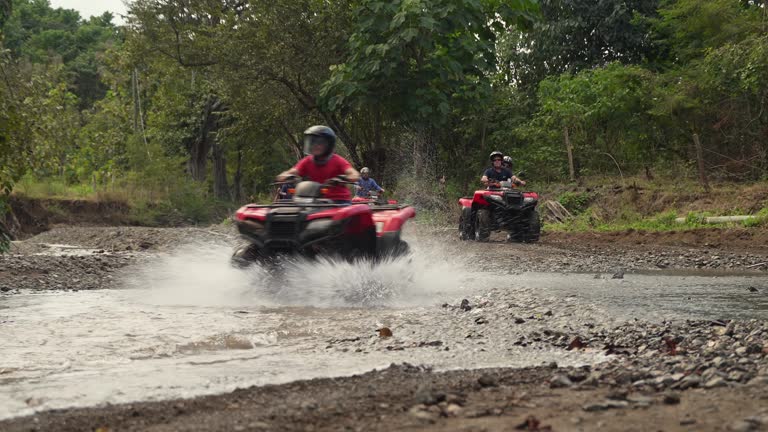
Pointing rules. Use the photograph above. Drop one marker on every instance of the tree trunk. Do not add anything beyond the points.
(569, 148)
(700, 159)
(220, 185)
(200, 146)
(238, 180)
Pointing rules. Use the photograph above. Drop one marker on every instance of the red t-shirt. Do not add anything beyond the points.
(335, 166)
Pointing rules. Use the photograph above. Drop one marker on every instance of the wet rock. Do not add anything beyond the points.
(487, 381)
(465, 305)
(420, 412)
(671, 398)
(426, 396)
(605, 405)
(560, 381)
(617, 395)
(640, 400)
(452, 410)
(715, 382)
(519, 321)
(752, 289)
(618, 275)
(688, 382)
(743, 426)
(481, 320)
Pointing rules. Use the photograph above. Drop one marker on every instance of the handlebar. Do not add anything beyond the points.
(342, 179)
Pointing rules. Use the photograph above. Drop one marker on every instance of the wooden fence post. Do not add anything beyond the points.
(569, 148)
(700, 159)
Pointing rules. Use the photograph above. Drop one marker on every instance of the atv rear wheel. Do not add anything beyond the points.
(466, 225)
(483, 225)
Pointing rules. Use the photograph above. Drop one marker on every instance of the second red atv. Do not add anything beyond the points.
(309, 225)
(500, 207)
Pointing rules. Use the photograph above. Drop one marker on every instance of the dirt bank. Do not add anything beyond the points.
(738, 240)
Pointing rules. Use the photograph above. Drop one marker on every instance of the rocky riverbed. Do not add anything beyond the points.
(614, 349)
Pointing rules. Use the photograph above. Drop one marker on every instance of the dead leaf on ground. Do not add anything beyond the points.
(385, 332)
(533, 424)
(576, 343)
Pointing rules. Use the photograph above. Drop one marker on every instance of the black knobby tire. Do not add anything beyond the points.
(244, 255)
(466, 224)
(534, 227)
(483, 225)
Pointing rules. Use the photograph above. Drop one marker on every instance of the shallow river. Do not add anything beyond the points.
(188, 324)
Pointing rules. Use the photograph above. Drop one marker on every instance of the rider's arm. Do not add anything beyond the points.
(286, 174)
(352, 174)
(377, 187)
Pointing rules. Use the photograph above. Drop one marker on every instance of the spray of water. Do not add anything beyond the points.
(200, 274)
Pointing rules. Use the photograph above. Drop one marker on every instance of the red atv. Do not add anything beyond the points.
(309, 225)
(500, 207)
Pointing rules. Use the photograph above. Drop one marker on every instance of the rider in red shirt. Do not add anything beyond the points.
(322, 164)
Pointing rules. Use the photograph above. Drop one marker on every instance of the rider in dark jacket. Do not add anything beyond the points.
(496, 173)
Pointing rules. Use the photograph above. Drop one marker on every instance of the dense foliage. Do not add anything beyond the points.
(205, 100)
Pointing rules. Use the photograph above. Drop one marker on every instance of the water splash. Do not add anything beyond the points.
(200, 274)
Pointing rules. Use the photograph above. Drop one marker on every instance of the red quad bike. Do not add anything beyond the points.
(310, 225)
(500, 207)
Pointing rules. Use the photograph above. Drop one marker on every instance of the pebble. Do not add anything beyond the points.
(605, 405)
(487, 381)
(560, 381)
(671, 398)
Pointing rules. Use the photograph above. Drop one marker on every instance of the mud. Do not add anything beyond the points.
(632, 355)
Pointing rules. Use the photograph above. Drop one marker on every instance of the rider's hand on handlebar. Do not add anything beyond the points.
(288, 178)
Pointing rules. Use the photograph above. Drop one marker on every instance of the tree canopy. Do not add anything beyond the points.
(209, 97)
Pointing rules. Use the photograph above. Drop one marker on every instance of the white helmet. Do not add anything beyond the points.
(365, 170)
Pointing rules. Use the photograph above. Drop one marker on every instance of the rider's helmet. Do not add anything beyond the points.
(496, 154)
(319, 135)
(365, 172)
(507, 161)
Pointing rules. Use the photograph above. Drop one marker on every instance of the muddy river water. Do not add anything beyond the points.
(186, 323)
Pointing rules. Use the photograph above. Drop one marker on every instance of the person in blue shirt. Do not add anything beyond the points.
(284, 193)
(366, 184)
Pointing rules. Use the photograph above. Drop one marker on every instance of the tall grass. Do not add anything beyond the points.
(152, 203)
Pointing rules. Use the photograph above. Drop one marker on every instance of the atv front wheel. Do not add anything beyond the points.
(483, 225)
(245, 255)
(466, 227)
(534, 228)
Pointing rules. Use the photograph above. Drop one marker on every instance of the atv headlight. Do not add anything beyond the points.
(379, 227)
(496, 198)
(319, 225)
(528, 200)
(250, 226)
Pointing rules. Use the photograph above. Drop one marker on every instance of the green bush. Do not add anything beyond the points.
(574, 202)
(760, 219)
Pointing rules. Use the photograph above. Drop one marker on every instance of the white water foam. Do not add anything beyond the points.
(200, 274)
